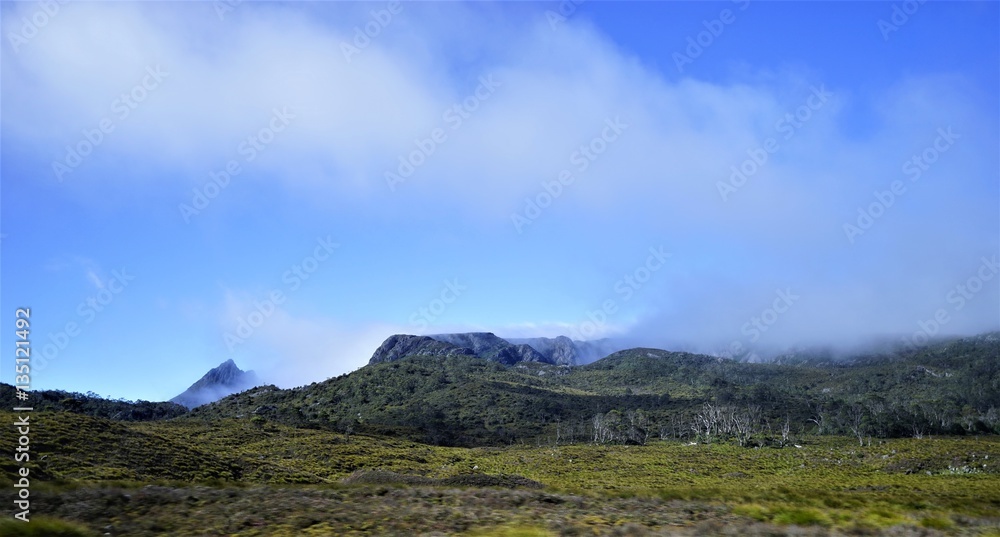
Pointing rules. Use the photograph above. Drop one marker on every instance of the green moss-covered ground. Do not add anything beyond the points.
(242, 477)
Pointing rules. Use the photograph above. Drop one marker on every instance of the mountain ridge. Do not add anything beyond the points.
(225, 379)
(560, 350)
(459, 398)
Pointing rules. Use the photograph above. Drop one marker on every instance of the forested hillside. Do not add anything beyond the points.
(948, 388)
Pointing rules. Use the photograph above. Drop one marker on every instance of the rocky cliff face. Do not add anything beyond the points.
(217, 383)
(482, 344)
(489, 346)
(402, 345)
(558, 351)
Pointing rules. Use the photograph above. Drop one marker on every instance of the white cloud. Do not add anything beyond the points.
(353, 119)
(291, 349)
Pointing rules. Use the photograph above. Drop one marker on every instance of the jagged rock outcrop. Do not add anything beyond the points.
(487, 345)
(560, 350)
(482, 344)
(557, 351)
(403, 345)
(226, 379)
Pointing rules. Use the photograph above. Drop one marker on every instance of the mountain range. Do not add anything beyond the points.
(556, 351)
(472, 390)
(227, 378)
(437, 392)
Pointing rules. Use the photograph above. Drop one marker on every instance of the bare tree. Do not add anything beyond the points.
(820, 417)
(745, 423)
(709, 421)
(785, 432)
(856, 422)
(600, 429)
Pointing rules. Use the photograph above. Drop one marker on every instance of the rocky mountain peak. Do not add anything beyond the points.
(225, 379)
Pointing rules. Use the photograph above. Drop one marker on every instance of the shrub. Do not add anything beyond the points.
(801, 517)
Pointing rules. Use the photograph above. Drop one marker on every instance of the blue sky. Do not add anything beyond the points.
(569, 174)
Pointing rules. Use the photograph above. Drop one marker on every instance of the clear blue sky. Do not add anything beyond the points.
(317, 116)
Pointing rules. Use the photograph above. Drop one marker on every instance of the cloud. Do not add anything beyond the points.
(779, 224)
(292, 349)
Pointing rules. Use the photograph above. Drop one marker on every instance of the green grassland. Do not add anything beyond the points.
(240, 477)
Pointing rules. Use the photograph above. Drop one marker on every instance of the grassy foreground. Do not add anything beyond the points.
(233, 477)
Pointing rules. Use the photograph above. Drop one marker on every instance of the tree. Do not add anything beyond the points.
(785, 432)
(819, 416)
(855, 417)
(638, 426)
(746, 424)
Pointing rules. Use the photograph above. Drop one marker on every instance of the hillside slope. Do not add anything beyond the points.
(952, 387)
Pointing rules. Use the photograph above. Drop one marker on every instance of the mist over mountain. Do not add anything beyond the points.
(441, 393)
(562, 350)
(401, 345)
(226, 379)
(484, 345)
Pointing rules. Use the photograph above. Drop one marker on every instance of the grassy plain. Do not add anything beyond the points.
(234, 477)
